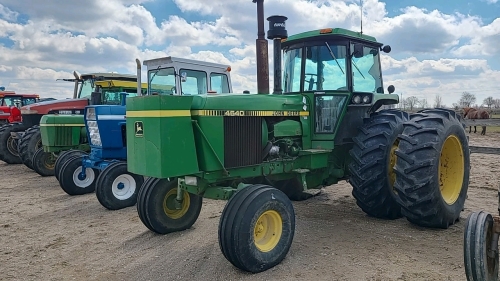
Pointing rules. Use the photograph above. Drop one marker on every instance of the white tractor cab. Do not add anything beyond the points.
(177, 76)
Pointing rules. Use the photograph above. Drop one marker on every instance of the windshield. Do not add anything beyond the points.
(112, 96)
(325, 68)
(162, 81)
(366, 70)
(86, 89)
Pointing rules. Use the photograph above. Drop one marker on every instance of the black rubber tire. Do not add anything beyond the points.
(150, 207)
(63, 156)
(141, 195)
(29, 143)
(43, 164)
(66, 177)
(8, 145)
(418, 166)
(478, 236)
(371, 162)
(104, 186)
(239, 219)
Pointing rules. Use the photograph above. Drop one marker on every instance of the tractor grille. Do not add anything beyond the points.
(242, 141)
(63, 136)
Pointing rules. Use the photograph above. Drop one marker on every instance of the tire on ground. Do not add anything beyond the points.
(116, 187)
(432, 168)
(29, 143)
(373, 158)
(70, 181)
(256, 228)
(156, 207)
(43, 163)
(63, 157)
(8, 145)
(480, 259)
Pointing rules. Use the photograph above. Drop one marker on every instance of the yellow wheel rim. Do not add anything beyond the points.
(392, 163)
(267, 231)
(451, 169)
(169, 204)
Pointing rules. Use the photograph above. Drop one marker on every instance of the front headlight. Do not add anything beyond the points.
(91, 114)
(356, 99)
(95, 137)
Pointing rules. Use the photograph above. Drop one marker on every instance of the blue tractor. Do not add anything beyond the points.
(104, 169)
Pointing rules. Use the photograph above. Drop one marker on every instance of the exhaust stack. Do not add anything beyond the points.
(139, 83)
(261, 52)
(277, 32)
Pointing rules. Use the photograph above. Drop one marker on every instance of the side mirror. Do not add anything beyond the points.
(391, 89)
(183, 76)
(386, 49)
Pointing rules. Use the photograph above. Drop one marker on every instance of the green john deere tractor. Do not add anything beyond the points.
(258, 151)
(60, 133)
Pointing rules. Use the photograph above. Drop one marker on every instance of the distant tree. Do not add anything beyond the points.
(497, 103)
(438, 101)
(467, 99)
(411, 102)
(423, 103)
(489, 102)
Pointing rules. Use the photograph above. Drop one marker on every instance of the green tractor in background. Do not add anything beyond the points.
(60, 133)
(260, 150)
(27, 132)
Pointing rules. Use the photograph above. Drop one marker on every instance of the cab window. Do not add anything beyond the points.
(219, 83)
(195, 83)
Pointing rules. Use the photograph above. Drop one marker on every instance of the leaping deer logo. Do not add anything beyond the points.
(139, 131)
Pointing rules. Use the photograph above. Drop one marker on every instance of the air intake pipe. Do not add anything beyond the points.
(139, 83)
(277, 32)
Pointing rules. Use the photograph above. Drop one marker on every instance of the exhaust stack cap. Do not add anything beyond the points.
(277, 27)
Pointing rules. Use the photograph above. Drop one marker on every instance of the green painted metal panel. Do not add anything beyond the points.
(160, 137)
(323, 144)
(335, 32)
(248, 102)
(287, 128)
(61, 130)
(210, 150)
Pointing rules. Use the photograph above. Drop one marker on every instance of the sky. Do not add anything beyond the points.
(438, 47)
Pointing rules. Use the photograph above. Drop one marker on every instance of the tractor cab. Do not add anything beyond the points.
(178, 76)
(339, 72)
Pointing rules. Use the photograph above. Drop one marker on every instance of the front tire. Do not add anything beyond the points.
(480, 255)
(63, 157)
(116, 187)
(432, 168)
(256, 228)
(71, 180)
(43, 163)
(373, 159)
(157, 211)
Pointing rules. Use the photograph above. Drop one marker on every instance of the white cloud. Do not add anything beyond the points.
(436, 52)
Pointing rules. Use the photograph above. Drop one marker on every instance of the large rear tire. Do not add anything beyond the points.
(29, 143)
(373, 158)
(116, 187)
(432, 168)
(256, 228)
(480, 248)
(8, 144)
(156, 207)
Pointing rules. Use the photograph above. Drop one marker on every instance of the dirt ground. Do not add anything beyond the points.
(48, 235)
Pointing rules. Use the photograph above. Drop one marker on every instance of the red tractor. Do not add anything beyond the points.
(20, 140)
(11, 102)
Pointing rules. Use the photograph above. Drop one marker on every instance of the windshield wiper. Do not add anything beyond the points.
(333, 56)
(154, 74)
(353, 63)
